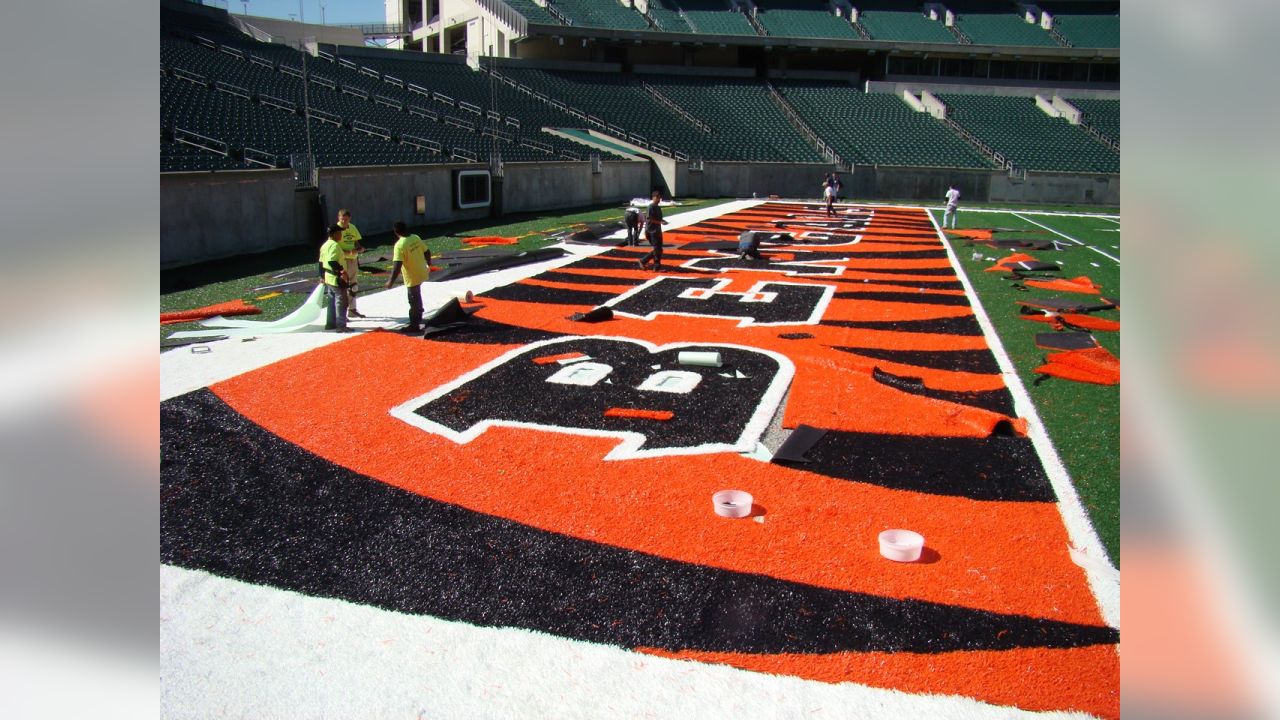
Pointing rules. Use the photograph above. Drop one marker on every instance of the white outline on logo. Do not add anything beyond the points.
(755, 294)
(632, 445)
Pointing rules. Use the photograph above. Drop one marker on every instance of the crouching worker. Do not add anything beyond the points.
(334, 276)
(634, 222)
(749, 245)
(412, 256)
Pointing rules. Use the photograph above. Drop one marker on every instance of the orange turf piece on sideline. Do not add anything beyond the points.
(972, 233)
(490, 240)
(1095, 365)
(1088, 322)
(1080, 284)
(234, 307)
(1003, 265)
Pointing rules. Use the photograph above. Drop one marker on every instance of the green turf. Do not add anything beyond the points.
(222, 280)
(1083, 420)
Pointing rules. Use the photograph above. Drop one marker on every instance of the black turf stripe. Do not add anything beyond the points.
(240, 502)
(903, 255)
(964, 325)
(1004, 468)
(1000, 401)
(907, 271)
(974, 361)
(917, 298)
(522, 292)
(583, 279)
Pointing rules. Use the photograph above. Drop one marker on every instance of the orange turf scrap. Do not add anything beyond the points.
(490, 240)
(1080, 284)
(973, 233)
(1006, 264)
(1095, 365)
(1061, 321)
(234, 307)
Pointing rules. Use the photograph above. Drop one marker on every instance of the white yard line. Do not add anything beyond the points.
(1103, 578)
(1062, 234)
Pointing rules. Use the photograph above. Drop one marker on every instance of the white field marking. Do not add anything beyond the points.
(1108, 218)
(1104, 216)
(1062, 234)
(181, 371)
(1106, 589)
(232, 648)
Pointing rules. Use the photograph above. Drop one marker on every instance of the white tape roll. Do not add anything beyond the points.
(732, 503)
(901, 545)
(707, 359)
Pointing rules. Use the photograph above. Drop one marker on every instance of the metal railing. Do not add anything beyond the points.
(819, 144)
(260, 157)
(560, 17)
(420, 142)
(204, 142)
(463, 154)
(675, 107)
(1098, 135)
(183, 74)
(273, 101)
(424, 112)
(999, 159)
(958, 34)
(860, 29)
(353, 90)
(1059, 38)
(230, 89)
(371, 129)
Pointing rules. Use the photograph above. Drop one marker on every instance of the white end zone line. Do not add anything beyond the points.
(1103, 578)
(1061, 234)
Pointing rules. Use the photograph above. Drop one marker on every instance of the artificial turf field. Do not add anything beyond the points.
(451, 503)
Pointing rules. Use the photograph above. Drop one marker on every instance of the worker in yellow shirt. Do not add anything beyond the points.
(335, 280)
(351, 250)
(412, 256)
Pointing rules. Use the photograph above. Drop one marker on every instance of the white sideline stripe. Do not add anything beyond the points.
(1106, 588)
(1062, 234)
(181, 371)
(232, 648)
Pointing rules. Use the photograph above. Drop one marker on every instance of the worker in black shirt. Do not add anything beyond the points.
(653, 232)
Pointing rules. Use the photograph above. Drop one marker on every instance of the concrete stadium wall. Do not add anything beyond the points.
(741, 179)
(380, 195)
(548, 186)
(207, 216)
(1046, 187)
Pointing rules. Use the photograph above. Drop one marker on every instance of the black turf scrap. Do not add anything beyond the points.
(999, 401)
(974, 361)
(239, 502)
(1065, 341)
(480, 331)
(1004, 468)
(1066, 304)
(1034, 266)
(796, 336)
(798, 443)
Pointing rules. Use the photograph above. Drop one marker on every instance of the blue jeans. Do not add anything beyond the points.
(335, 299)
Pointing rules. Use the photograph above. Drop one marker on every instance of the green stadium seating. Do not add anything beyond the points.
(1018, 129)
(666, 13)
(601, 13)
(888, 20)
(803, 19)
(877, 129)
(1103, 115)
(1089, 31)
(713, 17)
(998, 23)
(533, 12)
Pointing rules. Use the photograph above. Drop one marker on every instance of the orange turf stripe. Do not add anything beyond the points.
(820, 531)
(640, 414)
(233, 307)
(1084, 679)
